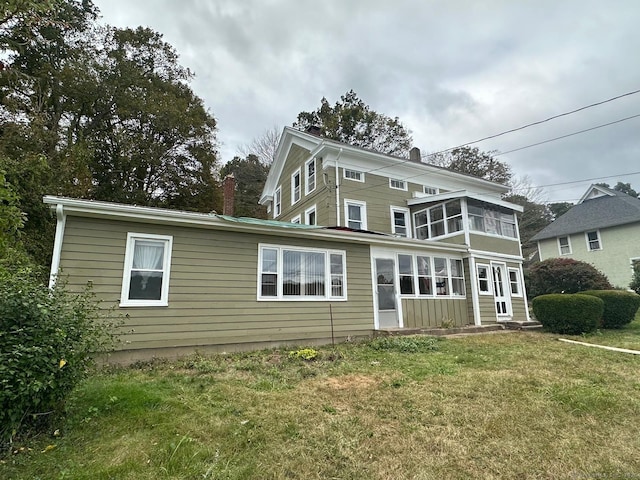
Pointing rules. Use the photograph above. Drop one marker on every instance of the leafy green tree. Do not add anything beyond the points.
(621, 187)
(250, 174)
(534, 218)
(352, 121)
(559, 208)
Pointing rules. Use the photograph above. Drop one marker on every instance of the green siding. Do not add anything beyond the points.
(213, 287)
(432, 312)
(487, 243)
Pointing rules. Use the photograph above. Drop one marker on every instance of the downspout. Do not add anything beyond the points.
(338, 190)
(57, 244)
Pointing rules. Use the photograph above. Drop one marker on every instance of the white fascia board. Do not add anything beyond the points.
(602, 190)
(464, 194)
(133, 213)
(287, 139)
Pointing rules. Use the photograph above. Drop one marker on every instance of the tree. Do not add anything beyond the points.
(352, 121)
(264, 146)
(534, 218)
(250, 174)
(564, 275)
(475, 162)
(559, 208)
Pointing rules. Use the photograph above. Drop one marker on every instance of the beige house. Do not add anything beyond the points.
(358, 242)
(602, 229)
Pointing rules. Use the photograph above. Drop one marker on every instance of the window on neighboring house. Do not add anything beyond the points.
(418, 276)
(514, 282)
(427, 190)
(295, 187)
(355, 214)
(353, 175)
(593, 241)
(400, 222)
(491, 219)
(277, 202)
(310, 175)
(310, 216)
(397, 184)
(291, 273)
(439, 220)
(564, 245)
(296, 219)
(484, 283)
(147, 262)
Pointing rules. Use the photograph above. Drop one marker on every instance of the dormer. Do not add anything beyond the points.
(597, 191)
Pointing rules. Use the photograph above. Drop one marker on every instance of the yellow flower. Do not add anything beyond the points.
(63, 362)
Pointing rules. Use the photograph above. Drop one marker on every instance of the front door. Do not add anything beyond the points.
(501, 291)
(386, 303)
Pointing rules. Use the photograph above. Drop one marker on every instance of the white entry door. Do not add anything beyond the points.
(386, 303)
(501, 291)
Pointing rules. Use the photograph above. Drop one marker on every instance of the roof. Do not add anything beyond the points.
(609, 208)
(464, 194)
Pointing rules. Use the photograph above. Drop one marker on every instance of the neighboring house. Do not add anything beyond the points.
(602, 229)
(445, 251)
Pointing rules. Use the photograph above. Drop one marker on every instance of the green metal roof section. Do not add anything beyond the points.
(268, 223)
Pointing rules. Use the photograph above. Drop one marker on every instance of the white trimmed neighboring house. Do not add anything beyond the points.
(602, 229)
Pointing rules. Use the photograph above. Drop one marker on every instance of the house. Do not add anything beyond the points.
(358, 242)
(601, 229)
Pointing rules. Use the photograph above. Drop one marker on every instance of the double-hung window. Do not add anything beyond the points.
(484, 282)
(292, 273)
(400, 222)
(593, 241)
(564, 245)
(514, 282)
(353, 175)
(147, 262)
(277, 202)
(310, 216)
(355, 214)
(295, 187)
(310, 175)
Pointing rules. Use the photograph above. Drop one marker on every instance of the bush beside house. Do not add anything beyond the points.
(620, 307)
(564, 275)
(570, 314)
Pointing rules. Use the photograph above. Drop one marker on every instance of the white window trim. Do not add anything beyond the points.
(488, 279)
(128, 264)
(424, 188)
(344, 175)
(432, 275)
(445, 221)
(358, 203)
(306, 215)
(404, 182)
(289, 298)
(407, 218)
(307, 190)
(277, 206)
(568, 244)
(296, 219)
(518, 280)
(295, 200)
(586, 237)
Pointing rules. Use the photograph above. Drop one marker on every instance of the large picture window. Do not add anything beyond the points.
(491, 219)
(420, 274)
(290, 273)
(439, 220)
(145, 282)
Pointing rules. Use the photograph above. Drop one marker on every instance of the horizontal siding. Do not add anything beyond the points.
(213, 287)
(431, 312)
(489, 243)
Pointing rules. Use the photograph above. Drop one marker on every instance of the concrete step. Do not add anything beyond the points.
(467, 329)
(522, 325)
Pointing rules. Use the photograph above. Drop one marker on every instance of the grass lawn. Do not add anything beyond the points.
(514, 405)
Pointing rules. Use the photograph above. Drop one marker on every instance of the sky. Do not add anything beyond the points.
(452, 71)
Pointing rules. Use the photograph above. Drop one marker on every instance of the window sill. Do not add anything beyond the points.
(142, 303)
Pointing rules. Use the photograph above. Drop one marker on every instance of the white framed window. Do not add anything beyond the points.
(428, 276)
(400, 223)
(439, 220)
(355, 214)
(147, 265)
(292, 273)
(310, 176)
(295, 187)
(564, 245)
(484, 281)
(593, 240)
(277, 202)
(310, 216)
(514, 282)
(397, 184)
(428, 190)
(491, 219)
(296, 219)
(354, 175)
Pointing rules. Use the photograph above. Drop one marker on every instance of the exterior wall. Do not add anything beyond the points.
(619, 245)
(432, 312)
(493, 243)
(213, 290)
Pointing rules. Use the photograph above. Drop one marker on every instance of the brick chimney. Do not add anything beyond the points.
(414, 155)
(228, 192)
(314, 130)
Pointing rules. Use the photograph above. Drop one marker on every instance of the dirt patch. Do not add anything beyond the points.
(349, 382)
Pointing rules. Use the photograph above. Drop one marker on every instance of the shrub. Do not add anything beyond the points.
(620, 307)
(570, 314)
(635, 280)
(405, 344)
(47, 342)
(304, 353)
(564, 275)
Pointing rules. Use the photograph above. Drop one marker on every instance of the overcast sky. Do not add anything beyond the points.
(453, 71)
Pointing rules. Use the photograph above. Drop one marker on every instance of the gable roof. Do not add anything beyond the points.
(317, 145)
(600, 207)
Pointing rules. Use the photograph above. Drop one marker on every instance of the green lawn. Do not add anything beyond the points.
(514, 405)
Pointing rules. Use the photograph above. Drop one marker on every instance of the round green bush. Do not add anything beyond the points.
(564, 275)
(570, 314)
(620, 307)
